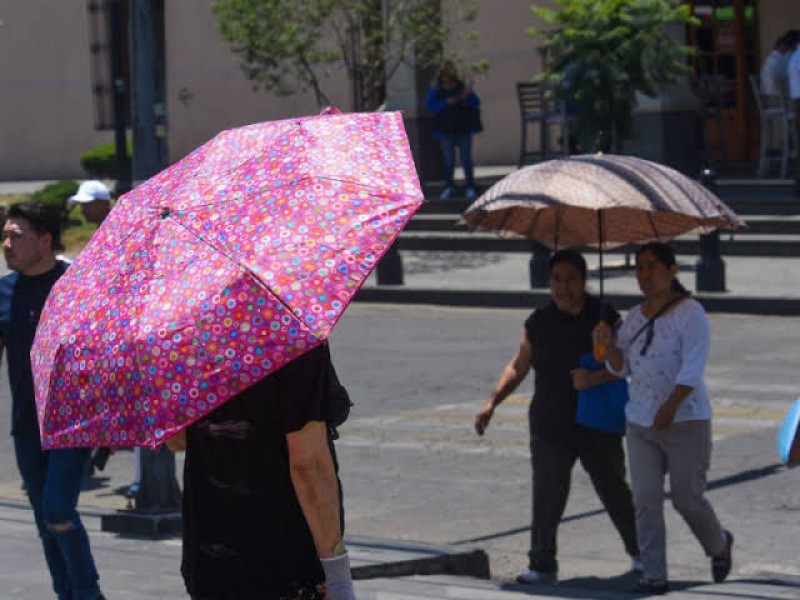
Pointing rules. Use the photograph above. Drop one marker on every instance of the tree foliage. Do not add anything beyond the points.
(604, 52)
(287, 46)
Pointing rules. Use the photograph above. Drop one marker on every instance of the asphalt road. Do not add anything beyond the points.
(413, 469)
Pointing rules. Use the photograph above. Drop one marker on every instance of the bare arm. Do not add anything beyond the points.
(583, 379)
(314, 479)
(177, 443)
(513, 374)
(666, 412)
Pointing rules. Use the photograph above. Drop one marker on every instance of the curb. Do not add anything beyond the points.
(434, 560)
(771, 247)
(374, 558)
(713, 303)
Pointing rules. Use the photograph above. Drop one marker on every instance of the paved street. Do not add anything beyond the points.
(414, 470)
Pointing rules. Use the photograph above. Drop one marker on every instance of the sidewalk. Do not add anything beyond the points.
(137, 569)
(756, 285)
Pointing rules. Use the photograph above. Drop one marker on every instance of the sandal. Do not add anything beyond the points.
(721, 565)
(651, 587)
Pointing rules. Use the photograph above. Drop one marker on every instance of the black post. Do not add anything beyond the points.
(538, 266)
(406, 90)
(117, 37)
(710, 269)
(390, 269)
(157, 510)
(148, 80)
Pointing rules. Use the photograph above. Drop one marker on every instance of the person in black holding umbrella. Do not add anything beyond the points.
(553, 340)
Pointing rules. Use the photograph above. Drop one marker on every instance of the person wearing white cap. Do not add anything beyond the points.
(95, 200)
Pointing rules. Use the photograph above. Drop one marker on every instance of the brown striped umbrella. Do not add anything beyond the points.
(599, 200)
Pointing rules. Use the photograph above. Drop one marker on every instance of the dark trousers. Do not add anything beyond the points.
(449, 143)
(53, 483)
(603, 458)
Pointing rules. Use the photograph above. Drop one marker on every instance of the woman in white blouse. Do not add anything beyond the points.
(662, 345)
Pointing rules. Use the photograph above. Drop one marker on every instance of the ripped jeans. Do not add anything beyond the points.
(53, 482)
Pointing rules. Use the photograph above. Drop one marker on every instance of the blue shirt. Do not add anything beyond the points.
(21, 301)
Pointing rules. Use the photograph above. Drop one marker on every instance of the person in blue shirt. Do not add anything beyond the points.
(456, 118)
(31, 239)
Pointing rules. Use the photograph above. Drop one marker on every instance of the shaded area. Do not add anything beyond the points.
(737, 478)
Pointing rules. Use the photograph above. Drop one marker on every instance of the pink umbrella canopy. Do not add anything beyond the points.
(216, 272)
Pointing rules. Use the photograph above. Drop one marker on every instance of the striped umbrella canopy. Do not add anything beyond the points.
(599, 200)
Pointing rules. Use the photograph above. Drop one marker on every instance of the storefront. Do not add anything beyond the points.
(727, 52)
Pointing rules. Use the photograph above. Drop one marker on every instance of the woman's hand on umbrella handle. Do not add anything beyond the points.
(603, 334)
(482, 418)
(177, 443)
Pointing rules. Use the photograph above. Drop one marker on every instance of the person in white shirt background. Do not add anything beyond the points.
(775, 68)
(662, 346)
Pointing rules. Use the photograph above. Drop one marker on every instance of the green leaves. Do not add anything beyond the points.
(291, 45)
(603, 52)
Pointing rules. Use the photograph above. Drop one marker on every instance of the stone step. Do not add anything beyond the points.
(756, 224)
(764, 198)
(462, 241)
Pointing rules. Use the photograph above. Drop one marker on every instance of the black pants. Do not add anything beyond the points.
(603, 458)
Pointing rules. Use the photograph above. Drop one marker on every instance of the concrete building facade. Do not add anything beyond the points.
(46, 102)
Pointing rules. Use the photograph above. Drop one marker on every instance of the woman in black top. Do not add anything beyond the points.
(246, 533)
(552, 342)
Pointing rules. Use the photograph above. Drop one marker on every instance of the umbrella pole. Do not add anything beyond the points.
(600, 248)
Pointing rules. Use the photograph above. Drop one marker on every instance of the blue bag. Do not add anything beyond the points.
(602, 407)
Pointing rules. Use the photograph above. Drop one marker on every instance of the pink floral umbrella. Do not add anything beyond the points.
(216, 272)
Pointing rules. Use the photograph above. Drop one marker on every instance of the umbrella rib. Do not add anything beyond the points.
(379, 189)
(653, 226)
(246, 269)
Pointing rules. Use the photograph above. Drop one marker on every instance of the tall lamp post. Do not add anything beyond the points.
(157, 504)
(117, 37)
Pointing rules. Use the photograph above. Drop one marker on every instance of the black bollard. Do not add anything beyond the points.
(390, 269)
(538, 266)
(710, 269)
(157, 510)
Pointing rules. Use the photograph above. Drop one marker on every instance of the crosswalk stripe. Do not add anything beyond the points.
(450, 426)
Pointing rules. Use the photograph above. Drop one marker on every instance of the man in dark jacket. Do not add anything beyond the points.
(31, 238)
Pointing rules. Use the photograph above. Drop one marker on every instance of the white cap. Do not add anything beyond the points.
(89, 191)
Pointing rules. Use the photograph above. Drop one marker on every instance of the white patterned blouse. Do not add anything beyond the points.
(674, 353)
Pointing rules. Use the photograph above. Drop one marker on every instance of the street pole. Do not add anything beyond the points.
(157, 504)
(406, 90)
(116, 32)
(710, 269)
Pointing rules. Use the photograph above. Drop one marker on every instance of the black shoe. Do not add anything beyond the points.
(650, 587)
(721, 565)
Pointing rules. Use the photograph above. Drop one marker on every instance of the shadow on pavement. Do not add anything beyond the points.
(742, 477)
(595, 588)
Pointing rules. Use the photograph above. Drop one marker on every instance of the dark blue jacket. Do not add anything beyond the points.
(463, 117)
